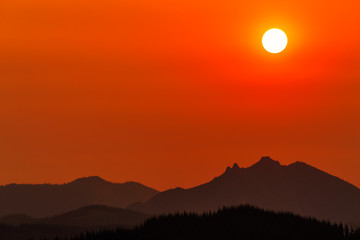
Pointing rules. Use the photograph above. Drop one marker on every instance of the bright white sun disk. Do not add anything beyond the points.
(274, 40)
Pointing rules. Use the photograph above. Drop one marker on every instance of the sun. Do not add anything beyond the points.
(274, 40)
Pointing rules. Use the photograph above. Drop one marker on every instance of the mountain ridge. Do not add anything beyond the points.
(297, 187)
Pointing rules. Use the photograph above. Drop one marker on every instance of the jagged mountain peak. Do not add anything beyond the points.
(235, 167)
(266, 162)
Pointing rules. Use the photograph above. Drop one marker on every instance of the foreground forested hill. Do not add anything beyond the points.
(243, 222)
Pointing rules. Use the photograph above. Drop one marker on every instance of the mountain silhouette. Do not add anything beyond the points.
(44, 200)
(89, 216)
(297, 188)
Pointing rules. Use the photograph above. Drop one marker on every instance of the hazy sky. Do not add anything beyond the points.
(170, 92)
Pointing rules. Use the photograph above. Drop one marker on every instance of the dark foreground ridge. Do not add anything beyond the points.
(243, 222)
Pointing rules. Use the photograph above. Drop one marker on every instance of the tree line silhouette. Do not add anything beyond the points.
(241, 222)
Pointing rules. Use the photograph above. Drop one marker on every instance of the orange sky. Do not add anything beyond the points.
(170, 92)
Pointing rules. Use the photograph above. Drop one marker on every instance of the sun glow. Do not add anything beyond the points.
(274, 40)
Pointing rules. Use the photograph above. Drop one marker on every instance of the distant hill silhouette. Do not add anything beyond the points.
(97, 216)
(44, 200)
(40, 232)
(17, 219)
(297, 188)
(241, 222)
(89, 216)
